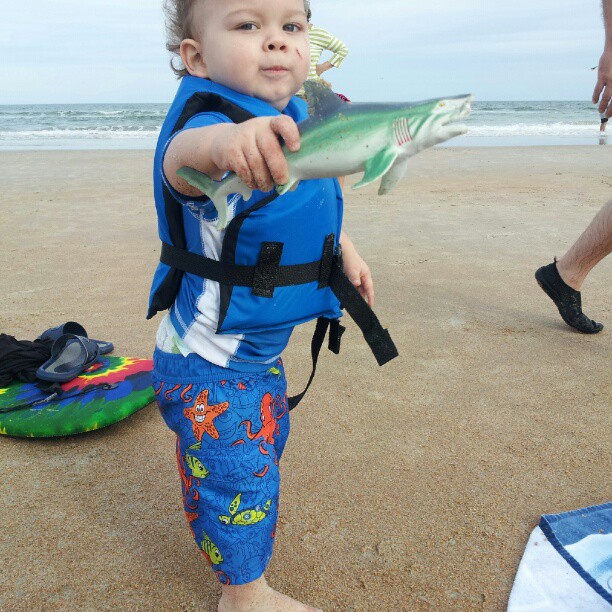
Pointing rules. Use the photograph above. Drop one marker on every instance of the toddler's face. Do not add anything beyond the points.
(257, 47)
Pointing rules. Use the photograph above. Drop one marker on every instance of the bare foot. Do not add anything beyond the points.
(258, 596)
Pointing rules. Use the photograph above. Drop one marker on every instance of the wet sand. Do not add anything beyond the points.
(409, 487)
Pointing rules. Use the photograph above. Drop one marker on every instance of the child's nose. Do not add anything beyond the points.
(277, 42)
(276, 45)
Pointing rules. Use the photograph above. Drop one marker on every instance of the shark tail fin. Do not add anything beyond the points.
(322, 101)
(199, 180)
(207, 186)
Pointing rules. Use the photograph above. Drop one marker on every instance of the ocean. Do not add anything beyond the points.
(135, 126)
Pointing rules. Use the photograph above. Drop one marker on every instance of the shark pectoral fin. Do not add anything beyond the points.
(395, 173)
(221, 206)
(220, 201)
(377, 166)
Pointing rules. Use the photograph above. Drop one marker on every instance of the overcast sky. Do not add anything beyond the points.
(62, 51)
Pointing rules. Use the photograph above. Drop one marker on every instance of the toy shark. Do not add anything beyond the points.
(341, 138)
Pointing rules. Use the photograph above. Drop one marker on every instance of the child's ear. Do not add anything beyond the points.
(192, 58)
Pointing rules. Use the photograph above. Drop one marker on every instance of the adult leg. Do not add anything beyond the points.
(590, 248)
(563, 279)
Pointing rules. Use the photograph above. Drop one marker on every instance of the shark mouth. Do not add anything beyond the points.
(459, 108)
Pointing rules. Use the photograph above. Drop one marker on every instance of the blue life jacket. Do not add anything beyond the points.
(295, 228)
(280, 262)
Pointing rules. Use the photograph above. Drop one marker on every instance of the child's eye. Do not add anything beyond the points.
(292, 27)
(247, 26)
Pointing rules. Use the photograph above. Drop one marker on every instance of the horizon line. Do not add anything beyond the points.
(358, 102)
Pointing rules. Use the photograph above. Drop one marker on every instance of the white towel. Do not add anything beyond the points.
(567, 565)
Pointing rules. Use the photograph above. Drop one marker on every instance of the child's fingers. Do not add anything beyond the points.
(367, 289)
(272, 156)
(287, 129)
(238, 163)
(364, 284)
(258, 166)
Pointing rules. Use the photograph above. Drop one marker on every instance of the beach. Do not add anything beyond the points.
(413, 486)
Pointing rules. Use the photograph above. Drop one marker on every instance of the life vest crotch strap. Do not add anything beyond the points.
(268, 274)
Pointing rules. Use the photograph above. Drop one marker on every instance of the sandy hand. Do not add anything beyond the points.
(254, 152)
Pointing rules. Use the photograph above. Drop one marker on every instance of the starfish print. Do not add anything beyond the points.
(202, 415)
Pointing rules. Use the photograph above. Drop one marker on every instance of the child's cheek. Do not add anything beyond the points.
(301, 59)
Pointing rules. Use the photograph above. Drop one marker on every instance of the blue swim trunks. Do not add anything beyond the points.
(231, 429)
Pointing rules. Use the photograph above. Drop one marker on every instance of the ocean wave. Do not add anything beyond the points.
(120, 132)
(138, 125)
(67, 115)
(78, 134)
(535, 129)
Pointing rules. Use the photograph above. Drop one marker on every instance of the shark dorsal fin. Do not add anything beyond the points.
(322, 101)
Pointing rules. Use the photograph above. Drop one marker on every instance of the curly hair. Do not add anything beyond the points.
(179, 26)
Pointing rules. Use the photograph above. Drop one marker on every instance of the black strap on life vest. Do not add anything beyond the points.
(262, 277)
(268, 274)
(335, 334)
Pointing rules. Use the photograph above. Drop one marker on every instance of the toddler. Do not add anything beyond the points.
(218, 375)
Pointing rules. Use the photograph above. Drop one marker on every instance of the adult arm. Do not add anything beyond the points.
(328, 42)
(603, 88)
(324, 67)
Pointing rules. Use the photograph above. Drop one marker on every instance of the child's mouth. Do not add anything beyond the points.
(275, 69)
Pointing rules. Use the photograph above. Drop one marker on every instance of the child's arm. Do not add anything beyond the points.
(251, 149)
(357, 270)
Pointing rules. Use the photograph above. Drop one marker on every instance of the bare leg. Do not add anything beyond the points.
(258, 596)
(341, 181)
(592, 246)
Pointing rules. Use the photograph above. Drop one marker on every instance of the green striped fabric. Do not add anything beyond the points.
(321, 40)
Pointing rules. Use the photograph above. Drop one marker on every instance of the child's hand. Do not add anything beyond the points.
(252, 150)
(357, 270)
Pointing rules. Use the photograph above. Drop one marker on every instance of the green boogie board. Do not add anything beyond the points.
(112, 389)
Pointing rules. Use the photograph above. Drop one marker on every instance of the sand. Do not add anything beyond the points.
(409, 487)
